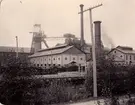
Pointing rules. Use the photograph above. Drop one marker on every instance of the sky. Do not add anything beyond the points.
(58, 17)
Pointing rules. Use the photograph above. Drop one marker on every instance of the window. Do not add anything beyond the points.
(126, 57)
(41, 64)
(53, 64)
(49, 64)
(58, 64)
(121, 56)
(53, 58)
(90, 49)
(38, 65)
(81, 58)
(83, 68)
(73, 58)
(45, 59)
(130, 57)
(114, 51)
(45, 64)
(58, 58)
(65, 58)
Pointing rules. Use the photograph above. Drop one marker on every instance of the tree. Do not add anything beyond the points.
(12, 84)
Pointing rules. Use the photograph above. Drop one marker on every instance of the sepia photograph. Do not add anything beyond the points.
(67, 52)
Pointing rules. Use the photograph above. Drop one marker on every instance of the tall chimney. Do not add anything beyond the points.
(82, 26)
(98, 42)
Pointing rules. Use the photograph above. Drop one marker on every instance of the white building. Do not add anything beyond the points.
(59, 56)
(122, 55)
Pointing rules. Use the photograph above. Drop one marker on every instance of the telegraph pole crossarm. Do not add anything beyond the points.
(91, 8)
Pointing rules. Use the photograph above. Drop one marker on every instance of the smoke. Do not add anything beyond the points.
(119, 20)
(107, 40)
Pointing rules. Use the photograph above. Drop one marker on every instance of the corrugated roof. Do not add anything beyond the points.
(52, 48)
(13, 49)
(51, 51)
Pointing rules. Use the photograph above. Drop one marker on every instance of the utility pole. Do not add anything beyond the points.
(16, 46)
(93, 49)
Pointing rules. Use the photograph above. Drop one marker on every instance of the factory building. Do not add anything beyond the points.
(122, 55)
(7, 53)
(60, 56)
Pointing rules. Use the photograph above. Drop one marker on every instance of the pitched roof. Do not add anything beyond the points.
(52, 48)
(124, 49)
(127, 51)
(13, 49)
(52, 51)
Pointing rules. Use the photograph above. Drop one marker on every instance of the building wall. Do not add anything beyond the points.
(118, 56)
(122, 58)
(60, 60)
(78, 58)
(67, 58)
(130, 58)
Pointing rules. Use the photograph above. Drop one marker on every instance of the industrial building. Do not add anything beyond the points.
(7, 53)
(72, 51)
(122, 55)
(60, 56)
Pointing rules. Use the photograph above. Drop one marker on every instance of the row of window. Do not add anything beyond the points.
(59, 59)
(130, 57)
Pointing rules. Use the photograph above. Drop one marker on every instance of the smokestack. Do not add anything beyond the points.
(82, 26)
(98, 42)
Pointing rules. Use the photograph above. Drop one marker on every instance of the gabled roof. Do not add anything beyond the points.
(125, 50)
(13, 49)
(52, 51)
(53, 48)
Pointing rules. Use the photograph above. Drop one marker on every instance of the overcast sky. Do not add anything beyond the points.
(61, 16)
